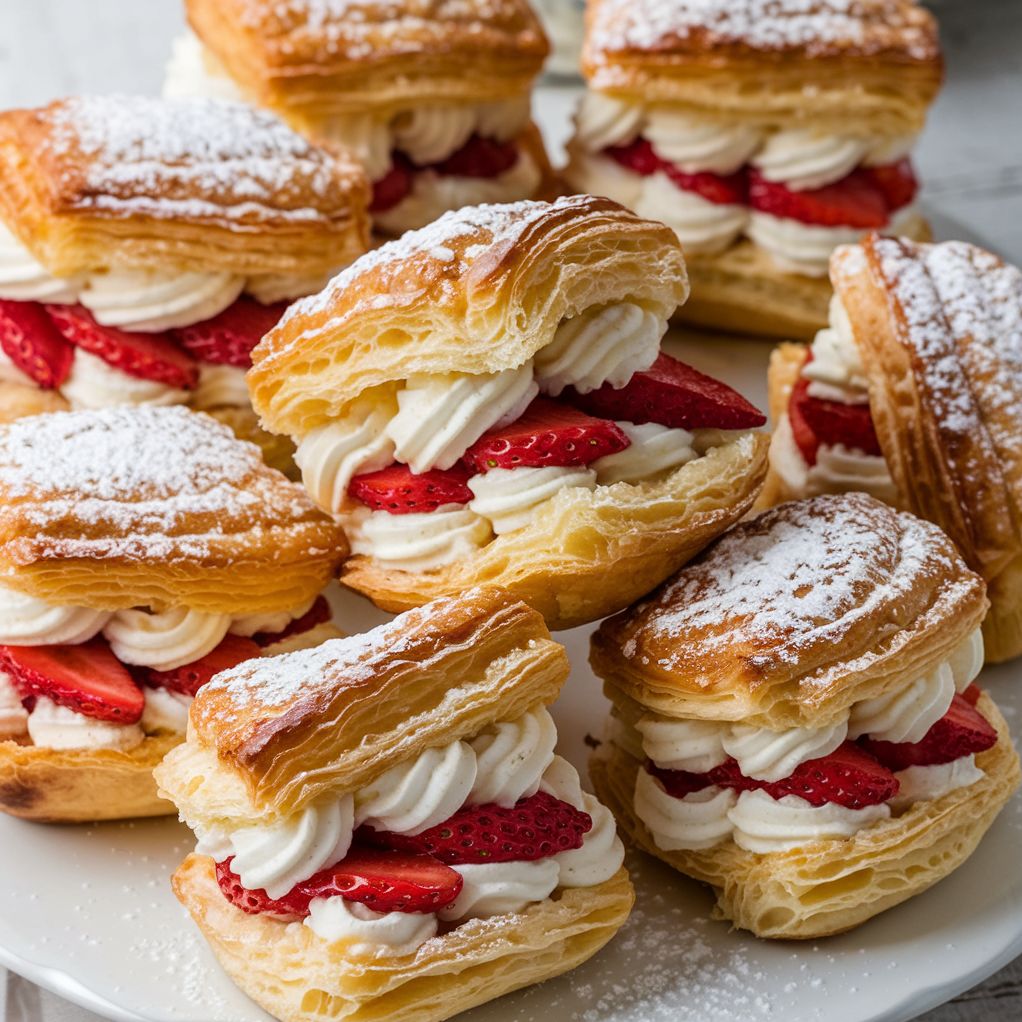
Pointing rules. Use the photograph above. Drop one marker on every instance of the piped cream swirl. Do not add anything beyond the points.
(804, 159)
(508, 497)
(653, 449)
(603, 121)
(164, 639)
(773, 755)
(51, 726)
(695, 144)
(699, 820)
(26, 620)
(92, 383)
(24, 279)
(905, 715)
(496, 888)
(512, 757)
(417, 542)
(701, 226)
(367, 933)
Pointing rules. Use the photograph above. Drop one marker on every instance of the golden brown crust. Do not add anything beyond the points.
(938, 327)
(479, 291)
(278, 451)
(20, 399)
(830, 886)
(588, 553)
(875, 67)
(297, 727)
(300, 59)
(92, 183)
(155, 506)
(794, 615)
(297, 976)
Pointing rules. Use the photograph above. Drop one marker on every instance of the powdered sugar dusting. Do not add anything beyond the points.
(812, 27)
(192, 158)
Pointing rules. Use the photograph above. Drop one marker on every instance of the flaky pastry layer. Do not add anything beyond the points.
(793, 616)
(827, 887)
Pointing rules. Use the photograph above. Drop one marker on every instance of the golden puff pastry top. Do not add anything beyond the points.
(940, 331)
(294, 727)
(137, 506)
(763, 58)
(793, 616)
(316, 55)
(97, 182)
(481, 290)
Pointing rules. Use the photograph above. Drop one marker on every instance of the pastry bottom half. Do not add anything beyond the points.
(590, 553)
(83, 785)
(829, 887)
(741, 289)
(298, 977)
(19, 399)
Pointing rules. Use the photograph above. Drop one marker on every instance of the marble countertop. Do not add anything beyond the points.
(970, 161)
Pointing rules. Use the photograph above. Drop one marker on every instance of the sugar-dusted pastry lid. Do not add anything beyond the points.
(270, 736)
(792, 616)
(131, 182)
(139, 506)
(479, 291)
(940, 331)
(827, 887)
(866, 65)
(313, 58)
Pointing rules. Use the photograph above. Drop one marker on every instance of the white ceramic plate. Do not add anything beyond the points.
(87, 912)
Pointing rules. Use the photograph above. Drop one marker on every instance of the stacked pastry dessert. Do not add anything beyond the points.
(432, 97)
(142, 550)
(913, 393)
(795, 720)
(385, 830)
(147, 245)
(485, 400)
(764, 132)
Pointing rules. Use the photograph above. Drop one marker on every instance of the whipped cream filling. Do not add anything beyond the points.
(507, 497)
(270, 288)
(150, 301)
(605, 344)
(331, 455)
(269, 621)
(695, 144)
(907, 714)
(512, 757)
(193, 71)
(925, 783)
(701, 226)
(24, 279)
(51, 726)
(432, 132)
(93, 383)
(219, 386)
(441, 415)
(797, 247)
(13, 715)
(367, 933)
(597, 174)
(773, 755)
(653, 451)
(497, 888)
(803, 159)
(603, 121)
(699, 820)
(164, 639)
(26, 620)
(165, 711)
(417, 542)
(967, 661)
(836, 371)
(601, 854)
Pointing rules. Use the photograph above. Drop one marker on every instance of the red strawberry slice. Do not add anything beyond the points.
(679, 783)
(672, 394)
(961, 731)
(896, 181)
(535, 828)
(229, 337)
(479, 157)
(390, 189)
(725, 190)
(231, 651)
(31, 341)
(548, 433)
(86, 678)
(832, 422)
(805, 439)
(385, 881)
(854, 201)
(398, 490)
(637, 156)
(315, 615)
(972, 693)
(147, 356)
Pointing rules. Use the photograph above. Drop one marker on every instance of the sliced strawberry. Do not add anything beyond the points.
(385, 881)
(147, 356)
(833, 422)
(637, 156)
(86, 678)
(228, 338)
(854, 201)
(806, 440)
(725, 190)
(398, 490)
(679, 783)
(897, 182)
(672, 394)
(231, 651)
(315, 615)
(31, 341)
(547, 433)
(535, 828)
(479, 157)
(390, 189)
(962, 731)
(972, 693)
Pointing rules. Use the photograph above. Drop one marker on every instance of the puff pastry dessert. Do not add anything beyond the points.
(912, 393)
(384, 828)
(765, 132)
(433, 97)
(796, 721)
(142, 550)
(485, 401)
(146, 245)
